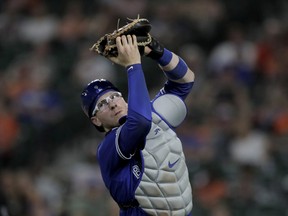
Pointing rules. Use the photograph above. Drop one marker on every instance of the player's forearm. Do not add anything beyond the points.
(138, 96)
(138, 123)
(175, 68)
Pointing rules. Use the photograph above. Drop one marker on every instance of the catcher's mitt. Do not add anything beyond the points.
(106, 45)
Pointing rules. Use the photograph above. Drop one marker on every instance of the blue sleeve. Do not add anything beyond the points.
(115, 172)
(138, 96)
(138, 121)
(180, 89)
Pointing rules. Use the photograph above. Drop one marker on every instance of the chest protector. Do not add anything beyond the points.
(165, 188)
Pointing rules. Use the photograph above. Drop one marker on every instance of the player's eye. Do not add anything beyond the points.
(102, 104)
(113, 96)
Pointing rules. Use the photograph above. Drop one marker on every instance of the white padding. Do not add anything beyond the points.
(172, 108)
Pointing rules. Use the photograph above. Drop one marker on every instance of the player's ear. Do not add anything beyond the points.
(96, 121)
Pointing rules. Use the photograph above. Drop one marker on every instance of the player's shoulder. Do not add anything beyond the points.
(107, 142)
(171, 108)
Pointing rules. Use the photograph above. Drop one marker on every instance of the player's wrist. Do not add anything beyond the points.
(132, 67)
(165, 58)
(154, 49)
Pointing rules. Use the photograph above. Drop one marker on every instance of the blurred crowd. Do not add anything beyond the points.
(236, 132)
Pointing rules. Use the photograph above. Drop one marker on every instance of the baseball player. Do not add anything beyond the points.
(141, 158)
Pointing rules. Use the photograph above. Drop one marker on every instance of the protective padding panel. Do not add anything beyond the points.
(171, 108)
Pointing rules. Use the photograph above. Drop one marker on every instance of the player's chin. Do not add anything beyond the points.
(121, 114)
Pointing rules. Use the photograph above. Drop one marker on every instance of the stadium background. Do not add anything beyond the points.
(236, 132)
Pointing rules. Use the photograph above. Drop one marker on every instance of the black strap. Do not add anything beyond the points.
(133, 204)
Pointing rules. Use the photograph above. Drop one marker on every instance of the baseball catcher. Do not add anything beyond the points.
(141, 158)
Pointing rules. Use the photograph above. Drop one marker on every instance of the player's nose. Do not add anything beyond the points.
(112, 105)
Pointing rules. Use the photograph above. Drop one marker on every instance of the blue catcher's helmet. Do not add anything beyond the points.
(92, 92)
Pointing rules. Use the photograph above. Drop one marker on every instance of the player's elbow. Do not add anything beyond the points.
(138, 124)
(143, 124)
(189, 76)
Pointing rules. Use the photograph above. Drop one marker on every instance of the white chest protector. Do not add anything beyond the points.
(165, 189)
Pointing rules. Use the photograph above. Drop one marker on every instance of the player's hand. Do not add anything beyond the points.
(147, 50)
(128, 52)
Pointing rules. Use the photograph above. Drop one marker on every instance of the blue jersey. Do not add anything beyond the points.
(121, 176)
